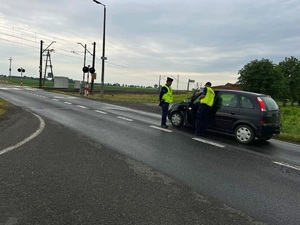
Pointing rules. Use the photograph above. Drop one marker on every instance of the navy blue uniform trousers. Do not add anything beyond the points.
(202, 119)
(164, 113)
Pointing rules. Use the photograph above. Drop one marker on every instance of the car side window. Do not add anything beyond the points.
(246, 103)
(229, 100)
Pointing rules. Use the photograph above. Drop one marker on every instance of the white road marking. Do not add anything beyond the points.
(80, 106)
(54, 99)
(124, 118)
(98, 111)
(287, 165)
(160, 128)
(69, 103)
(209, 142)
(35, 134)
(71, 97)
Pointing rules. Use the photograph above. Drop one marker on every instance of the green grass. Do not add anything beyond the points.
(290, 123)
(3, 107)
(140, 97)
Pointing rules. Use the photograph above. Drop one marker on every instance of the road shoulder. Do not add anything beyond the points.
(16, 125)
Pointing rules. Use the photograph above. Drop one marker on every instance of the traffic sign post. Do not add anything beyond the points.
(190, 81)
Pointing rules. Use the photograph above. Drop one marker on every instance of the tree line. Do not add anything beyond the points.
(281, 81)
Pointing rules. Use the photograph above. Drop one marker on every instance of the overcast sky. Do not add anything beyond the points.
(198, 40)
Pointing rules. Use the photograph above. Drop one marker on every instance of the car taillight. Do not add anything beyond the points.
(261, 104)
(262, 122)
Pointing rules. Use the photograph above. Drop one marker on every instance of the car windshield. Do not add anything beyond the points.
(270, 103)
(194, 98)
(187, 99)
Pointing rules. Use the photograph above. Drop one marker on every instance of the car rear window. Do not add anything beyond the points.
(270, 103)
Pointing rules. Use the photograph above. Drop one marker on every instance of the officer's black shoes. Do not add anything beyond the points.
(164, 126)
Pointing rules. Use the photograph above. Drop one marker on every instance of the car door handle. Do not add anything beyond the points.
(232, 113)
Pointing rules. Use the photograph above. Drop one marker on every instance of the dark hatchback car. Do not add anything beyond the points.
(245, 115)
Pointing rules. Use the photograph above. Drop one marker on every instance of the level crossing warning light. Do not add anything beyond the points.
(21, 70)
(86, 69)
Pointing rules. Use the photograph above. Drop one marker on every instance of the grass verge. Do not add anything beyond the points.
(3, 107)
(290, 124)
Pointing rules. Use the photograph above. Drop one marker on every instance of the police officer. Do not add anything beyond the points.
(165, 98)
(206, 101)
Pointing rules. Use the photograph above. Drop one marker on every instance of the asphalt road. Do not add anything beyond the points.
(62, 177)
(227, 180)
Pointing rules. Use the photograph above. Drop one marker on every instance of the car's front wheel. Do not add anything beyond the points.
(244, 134)
(176, 119)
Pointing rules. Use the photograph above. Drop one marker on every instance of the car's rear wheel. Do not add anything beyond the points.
(244, 134)
(176, 119)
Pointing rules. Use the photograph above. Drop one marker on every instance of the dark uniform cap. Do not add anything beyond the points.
(208, 83)
(169, 79)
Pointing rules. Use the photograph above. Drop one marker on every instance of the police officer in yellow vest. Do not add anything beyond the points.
(206, 101)
(165, 98)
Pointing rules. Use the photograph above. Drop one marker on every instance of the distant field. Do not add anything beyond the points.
(114, 93)
(47, 83)
(26, 81)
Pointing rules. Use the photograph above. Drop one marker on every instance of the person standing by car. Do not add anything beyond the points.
(206, 101)
(165, 98)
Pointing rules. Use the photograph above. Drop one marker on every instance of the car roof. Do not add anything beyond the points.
(239, 91)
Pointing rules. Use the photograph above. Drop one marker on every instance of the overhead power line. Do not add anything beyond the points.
(64, 47)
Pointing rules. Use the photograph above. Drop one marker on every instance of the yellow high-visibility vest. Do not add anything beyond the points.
(168, 97)
(209, 97)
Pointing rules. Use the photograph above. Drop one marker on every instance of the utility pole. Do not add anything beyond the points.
(103, 49)
(83, 76)
(10, 59)
(51, 67)
(159, 78)
(41, 64)
(103, 54)
(93, 66)
(159, 82)
(41, 61)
